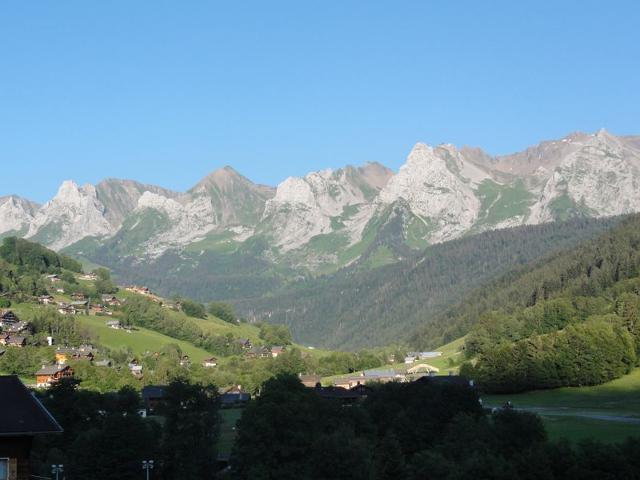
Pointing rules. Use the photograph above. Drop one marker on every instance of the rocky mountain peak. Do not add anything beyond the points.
(443, 191)
(16, 214)
(71, 193)
(227, 179)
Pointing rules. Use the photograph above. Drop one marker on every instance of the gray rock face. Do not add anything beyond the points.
(444, 191)
(120, 198)
(16, 214)
(303, 208)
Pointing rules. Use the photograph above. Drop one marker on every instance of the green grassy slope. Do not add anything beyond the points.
(620, 396)
(608, 412)
(140, 340)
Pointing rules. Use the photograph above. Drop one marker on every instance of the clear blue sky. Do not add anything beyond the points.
(165, 92)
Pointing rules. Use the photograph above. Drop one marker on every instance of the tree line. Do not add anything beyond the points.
(421, 430)
(572, 320)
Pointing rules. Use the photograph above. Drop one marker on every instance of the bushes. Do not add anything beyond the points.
(416, 431)
(223, 311)
(193, 309)
(145, 313)
(35, 258)
(275, 334)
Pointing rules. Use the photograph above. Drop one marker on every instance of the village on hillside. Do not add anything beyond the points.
(18, 333)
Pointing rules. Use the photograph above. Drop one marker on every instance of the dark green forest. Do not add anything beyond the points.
(105, 437)
(360, 306)
(22, 264)
(422, 430)
(569, 320)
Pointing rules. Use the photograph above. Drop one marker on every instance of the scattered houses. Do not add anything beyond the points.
(78, 296)
(97, 308)
(152, 396)
(115, 324)
(135, 369)
(277, 350)
(138, 290)
(234, 397)
(185, 361)
(258, 352)
(346, 396)
(22, 416)
(15, 341)
(50, 374)
(177, 306)
(7, 317)
(46, 300)
(74, 308)
(409, 359)
(370, 376)
(111, 300)
(80, 307)
(101, 310)
(54, 278)
(83, 352)
(66, 309)
(89, 277)
(310, 380)
(103, 363)
(210, 362)
(16, 328)
(424, 355)
(245, 343)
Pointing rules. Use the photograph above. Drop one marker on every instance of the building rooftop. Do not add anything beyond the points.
(21, 413)
(50, 369)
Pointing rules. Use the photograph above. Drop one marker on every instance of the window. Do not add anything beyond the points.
(4, 468)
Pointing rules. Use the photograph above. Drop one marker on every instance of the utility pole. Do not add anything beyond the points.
(57, 470)
(146, 466)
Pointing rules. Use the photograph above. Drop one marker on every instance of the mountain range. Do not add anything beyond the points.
(439, 194)
(229, 238)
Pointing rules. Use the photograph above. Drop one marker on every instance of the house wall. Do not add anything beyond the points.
(43, 379)
(17, 450)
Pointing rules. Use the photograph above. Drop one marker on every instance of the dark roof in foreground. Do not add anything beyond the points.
(21, 413)
(153, 391)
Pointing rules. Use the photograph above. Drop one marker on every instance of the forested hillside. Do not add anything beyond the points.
(22, 264)
(571, 319)
(364, 306)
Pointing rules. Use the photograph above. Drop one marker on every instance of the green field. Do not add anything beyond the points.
(140, 340)
(576, 429)
(608, 412)
(228, 419)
